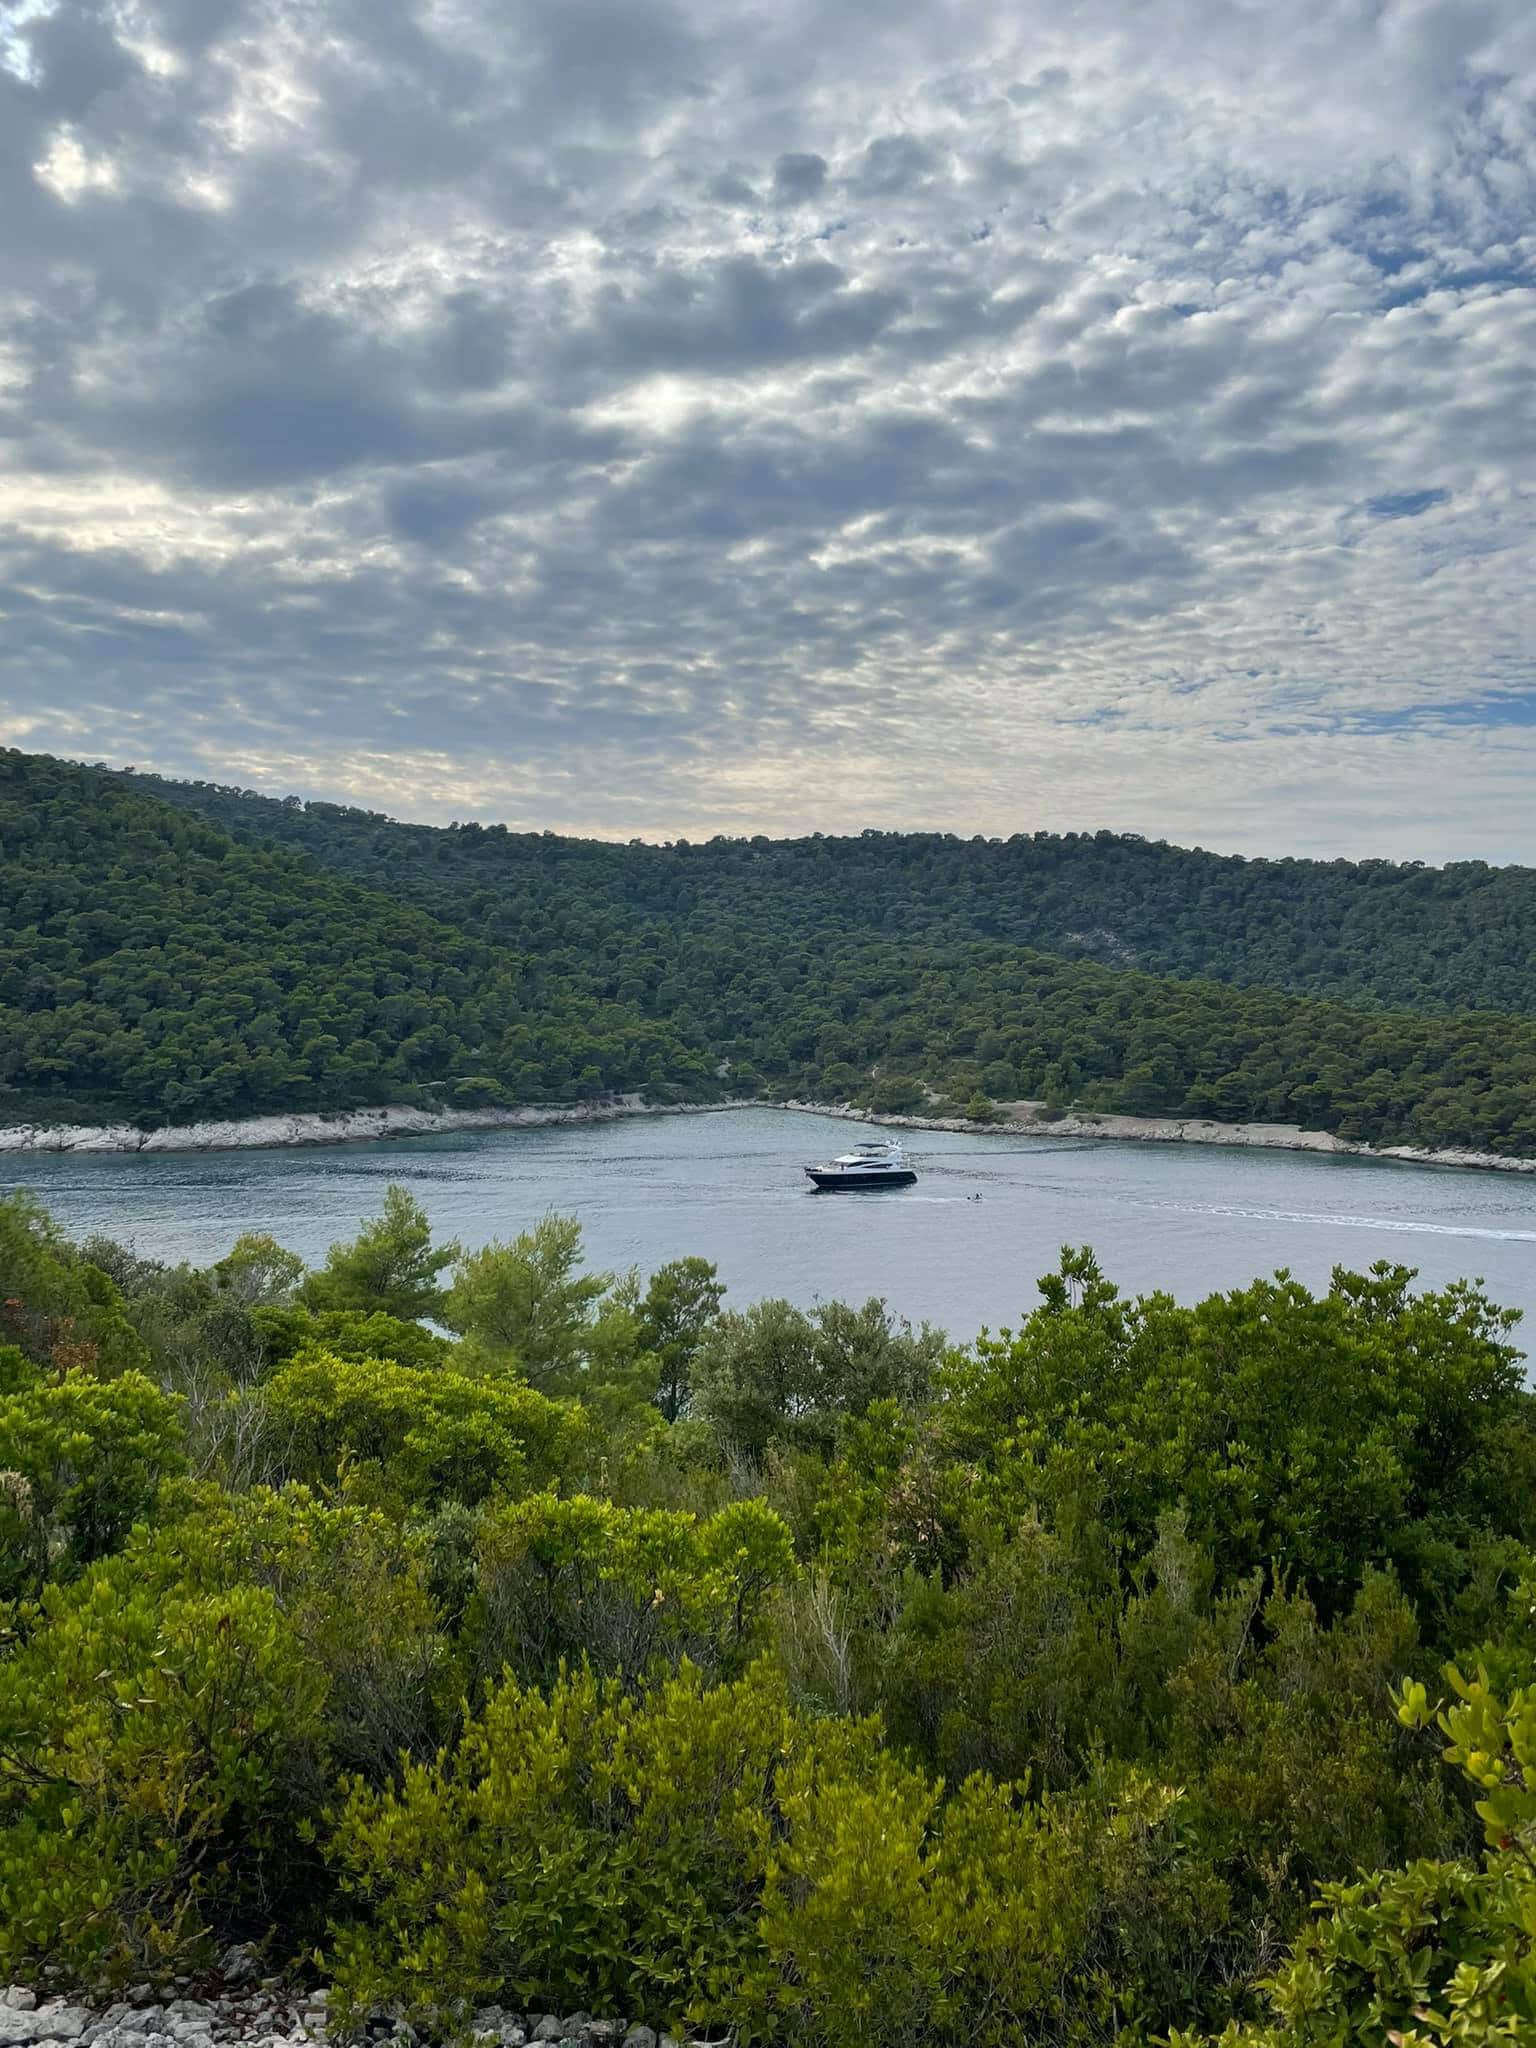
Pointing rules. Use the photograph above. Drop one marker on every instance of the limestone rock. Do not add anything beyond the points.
(52, 2022)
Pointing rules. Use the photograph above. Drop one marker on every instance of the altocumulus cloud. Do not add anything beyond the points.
(632, 416)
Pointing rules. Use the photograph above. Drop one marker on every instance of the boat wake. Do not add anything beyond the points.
(1409, 1225)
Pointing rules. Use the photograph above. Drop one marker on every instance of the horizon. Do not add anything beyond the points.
(666, 420)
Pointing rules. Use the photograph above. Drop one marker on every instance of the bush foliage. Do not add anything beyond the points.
(1143, 1673)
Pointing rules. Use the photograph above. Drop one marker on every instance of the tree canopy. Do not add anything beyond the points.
(170, 952)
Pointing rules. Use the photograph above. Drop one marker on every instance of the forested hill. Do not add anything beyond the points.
(1374, 934)
(154, 966)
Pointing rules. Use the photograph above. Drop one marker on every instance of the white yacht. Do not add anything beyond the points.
(880, 1164)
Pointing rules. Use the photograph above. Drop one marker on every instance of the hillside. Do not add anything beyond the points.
(154, 966)
(151, 965)
(1373, 934)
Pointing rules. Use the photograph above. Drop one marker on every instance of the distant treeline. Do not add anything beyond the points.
(155, 965)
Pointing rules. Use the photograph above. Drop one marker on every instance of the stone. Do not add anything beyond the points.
(640, 2037)
(240, 1964)
(52, 2022)
(550, 2028)
(600, 2032)
(18, 1998)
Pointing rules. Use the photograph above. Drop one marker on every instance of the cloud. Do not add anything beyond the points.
(800, 174)
(668, 418)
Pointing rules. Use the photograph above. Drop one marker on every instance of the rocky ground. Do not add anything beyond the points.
(256, 2012)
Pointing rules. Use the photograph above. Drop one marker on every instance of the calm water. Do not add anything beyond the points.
(1189, 1219)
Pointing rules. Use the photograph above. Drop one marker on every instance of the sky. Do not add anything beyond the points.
(639, 418)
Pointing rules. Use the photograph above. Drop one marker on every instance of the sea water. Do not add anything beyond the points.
(961, 1249)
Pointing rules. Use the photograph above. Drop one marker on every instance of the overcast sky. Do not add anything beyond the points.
(642, 418)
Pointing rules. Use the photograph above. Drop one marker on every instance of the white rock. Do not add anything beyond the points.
(52, 2022)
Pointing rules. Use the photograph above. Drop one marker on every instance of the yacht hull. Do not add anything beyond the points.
(833, 1183)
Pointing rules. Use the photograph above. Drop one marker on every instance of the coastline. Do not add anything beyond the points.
(353, 1126)
(1026, 1122)
(329, 1127)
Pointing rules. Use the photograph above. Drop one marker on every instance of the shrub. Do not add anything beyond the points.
(892, 1913)
(157, 1753)
(589, 1848)
(627, 1587)
(773, 1374)
(285, 1333)
(58, 1307)
(708, 1855)
(352, 1585)
(420, 1437)
(81, 1460)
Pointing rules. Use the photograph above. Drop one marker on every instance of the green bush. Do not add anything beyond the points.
(285, 1333)
(1437, 1953)
(57, 1307)
(418, 1437)
(81, 1460)
(559, 1580)
(708, 1855)
(158, 1753)
(588, 1848)
(353, 1585)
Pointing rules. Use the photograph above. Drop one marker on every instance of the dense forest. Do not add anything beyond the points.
(156, 966)
(478, 1627)
(1373, 934)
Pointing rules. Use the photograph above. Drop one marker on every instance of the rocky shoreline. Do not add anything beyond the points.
(333, 1127)
(251, 2012)
(1024, 1119)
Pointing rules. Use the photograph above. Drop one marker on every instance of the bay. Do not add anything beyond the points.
(1189, 1219)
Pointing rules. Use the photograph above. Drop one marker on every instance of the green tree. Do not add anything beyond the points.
(681, 1302)
(772, 1373)
(527, 1304)
(257, 1272)
(55, 1304)
(391, 1265)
